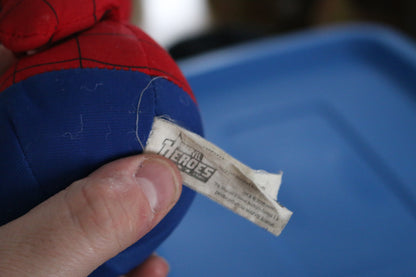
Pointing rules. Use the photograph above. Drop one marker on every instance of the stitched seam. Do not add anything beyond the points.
(141, 46)
(32, 174)
(43, 64)
(5, 80)
(94, 11)
(173, 77)
(134, 67)
(47, 34)
(19, 35)
(53, 10)
(159, 70)
(119, 35)
(155, 103)
(79, 52)
(123, 67)
(11, 9)
(14, 72)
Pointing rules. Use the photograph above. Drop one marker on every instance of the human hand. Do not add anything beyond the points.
(95, 218)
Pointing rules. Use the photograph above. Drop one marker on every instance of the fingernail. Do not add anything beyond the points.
(159, 183)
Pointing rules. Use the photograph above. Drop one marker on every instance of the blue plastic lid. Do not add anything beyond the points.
(335, 110)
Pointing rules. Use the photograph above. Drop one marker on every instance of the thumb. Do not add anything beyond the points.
(94, 219)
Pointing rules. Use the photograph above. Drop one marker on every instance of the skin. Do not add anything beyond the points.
(94, 219)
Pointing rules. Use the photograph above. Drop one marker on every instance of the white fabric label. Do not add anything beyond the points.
(208, 170)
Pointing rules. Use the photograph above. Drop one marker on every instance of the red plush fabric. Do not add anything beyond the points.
(30, 24)
(109, 44)
(125, 9)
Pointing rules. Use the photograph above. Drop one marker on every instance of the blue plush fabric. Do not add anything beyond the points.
(59, 126)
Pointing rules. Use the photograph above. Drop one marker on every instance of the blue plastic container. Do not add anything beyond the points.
(335, 110)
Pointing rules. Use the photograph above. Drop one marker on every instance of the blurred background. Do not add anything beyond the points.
(294, 87)
(188, 27)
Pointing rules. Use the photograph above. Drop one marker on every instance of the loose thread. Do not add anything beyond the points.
(138, 108)
(77, 135)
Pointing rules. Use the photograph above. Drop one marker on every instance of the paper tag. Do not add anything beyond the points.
(208, 170)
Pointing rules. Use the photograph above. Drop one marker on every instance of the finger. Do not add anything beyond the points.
(91, 221)
(7, 58)
(154, 266)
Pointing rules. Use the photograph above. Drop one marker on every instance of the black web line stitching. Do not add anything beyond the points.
(25, 155)
(136, 67)
(79, 52)
(11, 9)
(91, 60)
(96, 61)
(48, 63)
(94, 11)
(80, 59)
(120, 35)
(53, 10)
(4, 81)
(159, 70)
(14, 72)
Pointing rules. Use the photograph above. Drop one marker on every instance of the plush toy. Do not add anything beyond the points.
(84, 91)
